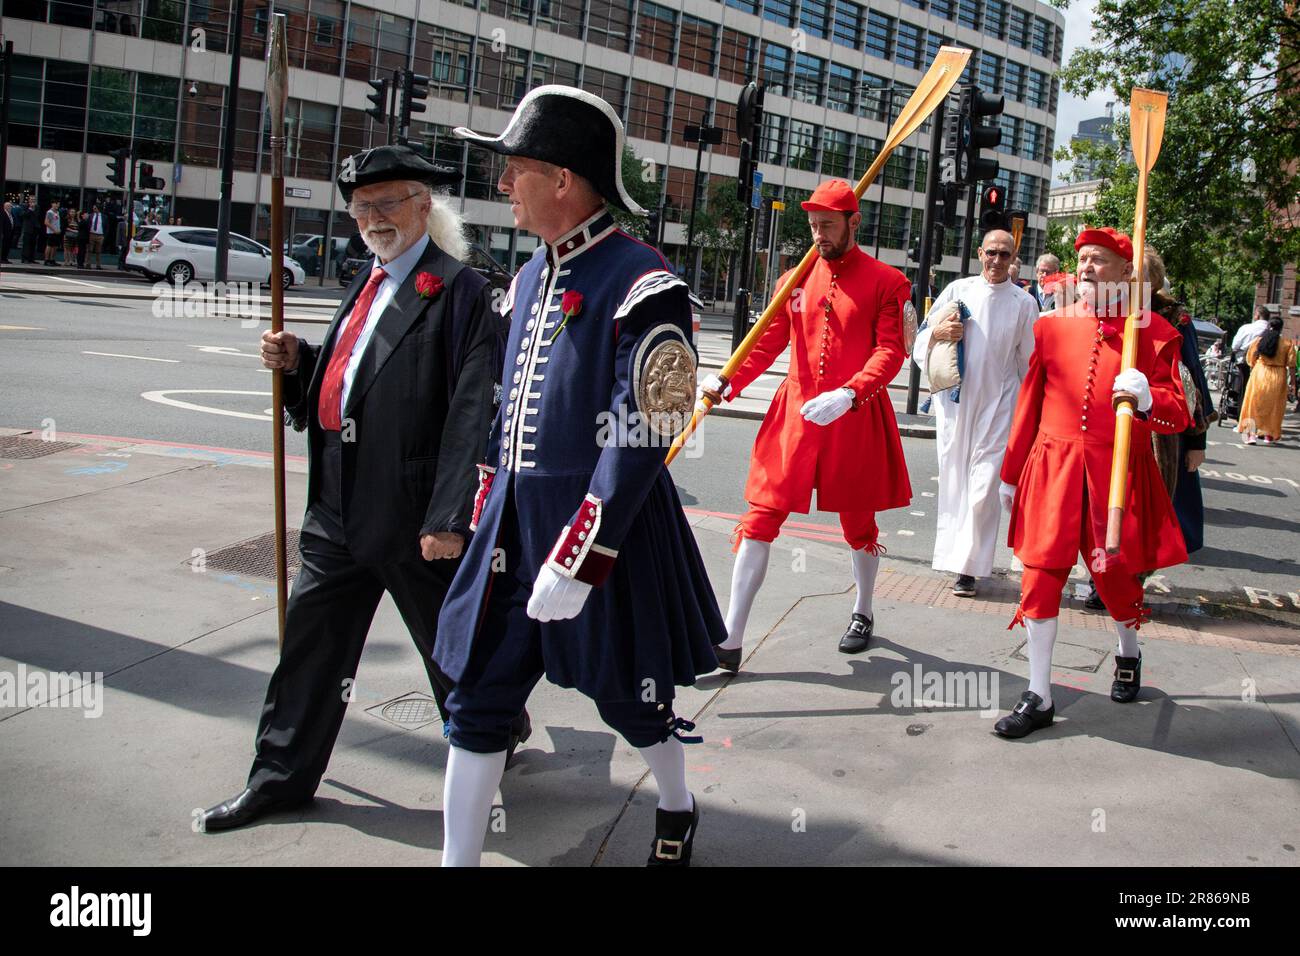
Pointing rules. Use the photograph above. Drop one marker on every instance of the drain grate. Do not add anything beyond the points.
(255, 558)
(16, 446)
(409, 712)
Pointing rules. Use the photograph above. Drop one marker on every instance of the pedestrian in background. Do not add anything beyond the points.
(71, 233)
(53, 233)
(1272, 376)
(1047, 265)
(7, 228)
(95, 235)
(83, 237)
(31, 231)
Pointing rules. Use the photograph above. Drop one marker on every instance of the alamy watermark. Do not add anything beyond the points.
(35, 688)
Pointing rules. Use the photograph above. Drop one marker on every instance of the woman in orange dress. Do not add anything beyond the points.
(1271, 362)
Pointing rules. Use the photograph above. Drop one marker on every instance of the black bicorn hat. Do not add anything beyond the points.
(385, 164)
(567, 127)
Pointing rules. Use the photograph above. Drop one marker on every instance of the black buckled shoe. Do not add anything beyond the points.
(858, 635)
(521, 728)
(1025, 717)
(674, 834)
(242, 810)
(1128, 679)
(728, 658)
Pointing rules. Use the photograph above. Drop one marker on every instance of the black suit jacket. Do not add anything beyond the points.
(419, 411)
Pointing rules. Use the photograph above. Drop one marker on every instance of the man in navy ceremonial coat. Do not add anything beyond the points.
(582, 565)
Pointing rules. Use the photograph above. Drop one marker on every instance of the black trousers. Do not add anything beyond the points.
(329, 615)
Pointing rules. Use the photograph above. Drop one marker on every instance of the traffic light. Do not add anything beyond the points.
(378, 98)
(949, 196)
(147, 180)
(653, 225)
(118, 166)
(993, 207)
(972, 135)
(415, 88)
(749, 129)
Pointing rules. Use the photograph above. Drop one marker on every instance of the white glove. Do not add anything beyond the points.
(1135, 383)
(1008, 495)
(827, 406)
(555, 597)
(713, 383)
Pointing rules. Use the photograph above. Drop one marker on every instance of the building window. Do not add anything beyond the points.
(922, 170)
(548, 69)
(812, 17)
(773, 146)
(656, 28)
(836, 153)
(893, 226)
(968, 13)
(907, 45)
(848, 23)
(689, 109)
(880, 34)
(443, 56)
(1043, 37)
(560, 16)
(1036, 89)
(748, 6)
(779, 11)
(943, 8)
(1032, 146)
(736, 56)
(995, 18)
(64, 119)
(325, 51)
(611, 87)
(839, 91)
(309, 147)
(898, 168)
(776, 69)
(809, 75)
(647, 115)
(500, 79)
(112, 100)
(610, 23)
(803, 145)
(1010, 135)
(699, 41)
(918, 4)
(1013, 80)
(990, 72)
(1275, 288)
(871, 101)
(932, 43)
(1018, 27)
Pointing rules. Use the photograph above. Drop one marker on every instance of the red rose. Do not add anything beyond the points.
(571, 303)
(428, 285)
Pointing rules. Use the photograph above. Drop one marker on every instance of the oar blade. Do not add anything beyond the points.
(1147, 110)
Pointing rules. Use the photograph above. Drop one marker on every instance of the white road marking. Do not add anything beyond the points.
(225, 350)
(927, 494)
(904, 531)
(142, 358)
(917, 514)
(162, 398)
(21, 328)
(93, 285)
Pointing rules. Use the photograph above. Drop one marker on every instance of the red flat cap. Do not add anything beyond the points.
(834, 195)
(1113, 240)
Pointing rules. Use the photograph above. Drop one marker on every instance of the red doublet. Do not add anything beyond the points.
(1059, 454)
(855, 463)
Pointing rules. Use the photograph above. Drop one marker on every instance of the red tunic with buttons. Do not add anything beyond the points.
(1063, 436)
(844, 329)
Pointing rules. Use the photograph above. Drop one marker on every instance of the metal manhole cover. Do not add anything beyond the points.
(409, 712)
(19, 447)
(254, 558)
(1070, 657)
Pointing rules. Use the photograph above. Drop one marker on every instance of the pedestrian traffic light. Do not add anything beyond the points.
(654, 224)
(974, 136)
(993, 207)
(949, 196)
(378, 98)
(415, 88)
(117, 167)
(145, 178)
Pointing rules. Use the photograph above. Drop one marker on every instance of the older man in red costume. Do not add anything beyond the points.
(1056, 473)
(831, 426)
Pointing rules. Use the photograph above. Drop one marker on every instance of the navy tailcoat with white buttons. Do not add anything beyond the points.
(588, 505)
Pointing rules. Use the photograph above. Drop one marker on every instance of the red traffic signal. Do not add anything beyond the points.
(993, 206)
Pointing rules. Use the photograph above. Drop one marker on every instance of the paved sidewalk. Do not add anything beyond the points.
(809, 756)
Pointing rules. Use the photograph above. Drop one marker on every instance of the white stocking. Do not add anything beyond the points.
(1127, 646)
(471, 783)
(667, 761)
(865, 566)
(746, 578)
(1042, 638)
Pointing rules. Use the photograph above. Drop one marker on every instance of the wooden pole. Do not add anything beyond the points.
(277, 97)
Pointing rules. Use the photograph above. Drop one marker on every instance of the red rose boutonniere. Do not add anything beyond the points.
(570, 305)
(428, 285)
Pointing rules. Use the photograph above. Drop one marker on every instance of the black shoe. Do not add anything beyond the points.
(964, 586)
(521, 728)
(243, 810)
(1093, 601)
(855, 639)
(674, 834)
(1025, 717)
(728, 658)
(1128, 679)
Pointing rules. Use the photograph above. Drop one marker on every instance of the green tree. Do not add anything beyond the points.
(641, 179)
(1223, 191)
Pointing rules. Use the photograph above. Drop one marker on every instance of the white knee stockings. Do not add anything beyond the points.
(746, 578)
(865, 566)
(667, 761)
(472, 781)
(1042, 638)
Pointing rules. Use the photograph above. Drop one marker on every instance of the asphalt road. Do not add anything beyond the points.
(113, 368)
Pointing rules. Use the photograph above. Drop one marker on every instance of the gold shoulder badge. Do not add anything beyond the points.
(909, 326)
(666, 387)
(1189, 388)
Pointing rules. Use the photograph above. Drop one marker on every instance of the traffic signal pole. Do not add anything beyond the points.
(970, 227)
(921, 289)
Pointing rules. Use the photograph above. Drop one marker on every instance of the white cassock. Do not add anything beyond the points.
(972, 433)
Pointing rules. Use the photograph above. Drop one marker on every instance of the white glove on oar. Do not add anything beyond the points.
(827, 406)
(712, 383)
(1135, 383)
(1008, 495)
(555, 597)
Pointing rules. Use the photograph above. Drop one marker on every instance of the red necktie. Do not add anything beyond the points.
(331, 388)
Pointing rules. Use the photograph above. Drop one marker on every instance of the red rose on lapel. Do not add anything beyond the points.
(428, 285)
(571, 303)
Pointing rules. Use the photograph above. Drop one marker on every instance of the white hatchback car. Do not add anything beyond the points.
(184, 254)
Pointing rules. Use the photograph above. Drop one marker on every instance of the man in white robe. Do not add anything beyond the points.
(972, 427)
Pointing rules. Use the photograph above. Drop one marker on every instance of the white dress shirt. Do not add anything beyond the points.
(397, 271)
(1249, 333)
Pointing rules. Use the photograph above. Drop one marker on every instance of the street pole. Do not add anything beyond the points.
(772, 264)
(880, 209)
(690, 226)
(921, 292)
(228, 147)
(970, 226)
(749, 149)
(8, 54)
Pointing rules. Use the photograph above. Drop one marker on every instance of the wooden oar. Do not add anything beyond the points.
(277, 98)
(1147, 111)
(930, 92)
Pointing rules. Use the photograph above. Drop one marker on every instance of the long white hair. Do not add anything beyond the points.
(446, 227)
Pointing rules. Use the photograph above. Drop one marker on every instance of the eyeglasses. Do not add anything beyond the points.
(996, 253)
(385, 207)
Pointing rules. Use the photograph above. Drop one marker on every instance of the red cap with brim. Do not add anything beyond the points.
(834, 195)
(1115, 241)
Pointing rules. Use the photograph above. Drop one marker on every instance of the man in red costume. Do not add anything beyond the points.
(831, 426)
(1056, 473)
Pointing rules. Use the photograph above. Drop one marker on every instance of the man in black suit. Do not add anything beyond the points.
(7, 227)
(397, 402)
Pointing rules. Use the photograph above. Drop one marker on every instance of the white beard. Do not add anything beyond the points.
(386, 245)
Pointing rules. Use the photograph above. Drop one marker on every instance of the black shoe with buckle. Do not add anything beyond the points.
(728, 658)
(858, 635)
(1128, 679)
(1025, 717)
(674, 834)
(1093, 601)
(964, 586)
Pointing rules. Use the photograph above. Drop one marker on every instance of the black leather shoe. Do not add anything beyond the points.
(964, 586)
(674, 834)
(1025, 717)
(855, 639)
(728, 659)
(1093, 601)
(521, 728)
(1128, 679)
(242, 810)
